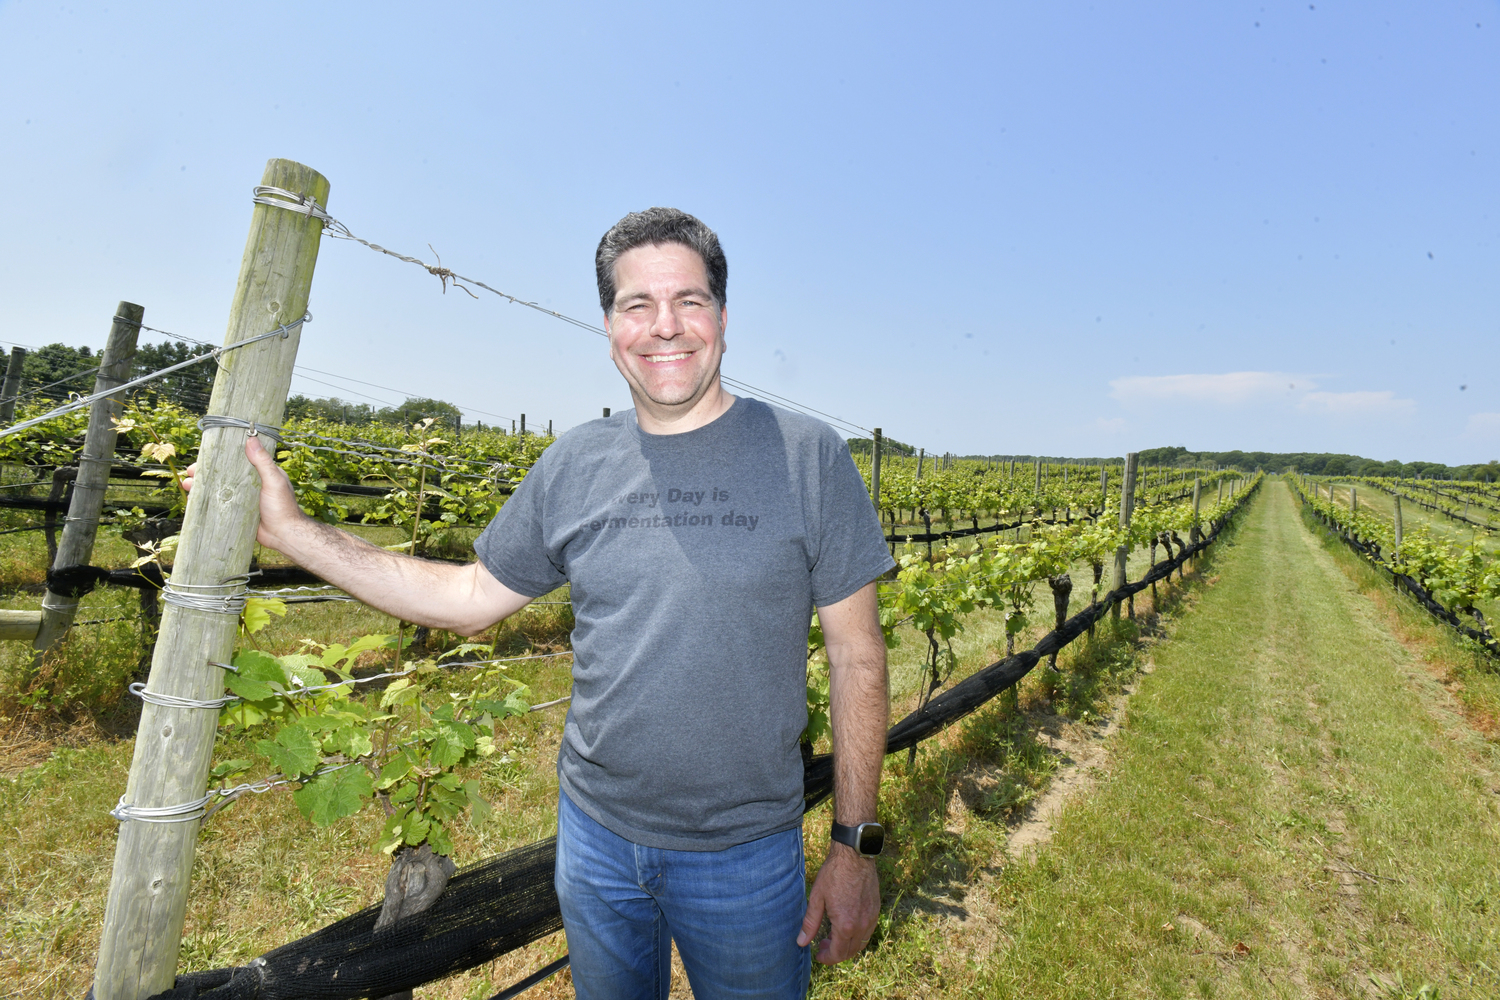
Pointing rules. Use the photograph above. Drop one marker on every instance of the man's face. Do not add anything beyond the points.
(666, 332)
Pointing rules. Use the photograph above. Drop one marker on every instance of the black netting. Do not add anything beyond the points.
(507, 901)
(488, 909)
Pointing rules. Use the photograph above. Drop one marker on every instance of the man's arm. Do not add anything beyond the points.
(847, 888)
(464, 599)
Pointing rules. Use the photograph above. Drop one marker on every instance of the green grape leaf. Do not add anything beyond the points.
(478, 807)
(334, 795)
(294, 752)
(351, 741)
(258, 612)
(228, 767)
(400, 692)
(258, 676)
(450, 741)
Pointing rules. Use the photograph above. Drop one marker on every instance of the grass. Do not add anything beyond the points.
(1291, 809)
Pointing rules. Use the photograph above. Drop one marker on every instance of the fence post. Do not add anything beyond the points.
(1197, 489)
(1039, 477)
(1127, 506)
(174, 746)
(875, 471)
(12, 385)
(1397, 501)
(82, 522)
(606, 411)
(921, 455)
(523, 425)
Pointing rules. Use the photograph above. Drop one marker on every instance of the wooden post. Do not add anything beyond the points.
(549, 428)
(19, 624)
(606, 411)
(875, 470)
(1127, 506)
(12, 385)
(1197, 488)
(1039, 477)
(94, 466)
(921, 454)
(1397, 501)
(1221, 489)
(523, 425)
(1353, 500)
(174, 746)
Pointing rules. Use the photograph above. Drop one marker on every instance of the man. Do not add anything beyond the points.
(697, 533)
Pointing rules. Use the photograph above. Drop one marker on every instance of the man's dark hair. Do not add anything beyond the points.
(654, 227)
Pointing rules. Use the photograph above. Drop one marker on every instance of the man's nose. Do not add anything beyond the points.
(667, 324)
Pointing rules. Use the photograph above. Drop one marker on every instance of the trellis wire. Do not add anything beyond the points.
(281, 331)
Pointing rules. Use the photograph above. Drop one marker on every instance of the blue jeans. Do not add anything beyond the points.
(735, 914)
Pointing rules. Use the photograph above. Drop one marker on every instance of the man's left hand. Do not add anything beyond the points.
(847, 891)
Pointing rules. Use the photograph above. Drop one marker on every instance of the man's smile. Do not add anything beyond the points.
(657, 359)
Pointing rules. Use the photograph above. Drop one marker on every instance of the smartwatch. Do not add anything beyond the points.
(866, 838)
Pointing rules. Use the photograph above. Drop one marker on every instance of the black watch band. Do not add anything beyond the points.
(866, 838)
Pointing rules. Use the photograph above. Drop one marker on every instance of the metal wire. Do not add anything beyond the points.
(265, 194)
(173, 701)
(183, 813)
(338, 230)
(214, 420)
(281, 331)
(192, 596)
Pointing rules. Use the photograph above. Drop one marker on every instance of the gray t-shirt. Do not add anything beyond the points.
(695, 561)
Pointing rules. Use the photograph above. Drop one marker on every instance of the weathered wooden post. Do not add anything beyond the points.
(875, 471)
(1039, 477)
(1127, 506)
(163, 799)
(523, 425)
(82, 523)
(12, 387)
(921, 456)
(606, 411)
(1397, 501)
(1197, 489)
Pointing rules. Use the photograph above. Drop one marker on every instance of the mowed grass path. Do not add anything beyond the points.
(1291, 810)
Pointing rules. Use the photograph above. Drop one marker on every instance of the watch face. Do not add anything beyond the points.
(871, 839)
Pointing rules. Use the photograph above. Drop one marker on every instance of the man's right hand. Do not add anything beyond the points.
(279, 513)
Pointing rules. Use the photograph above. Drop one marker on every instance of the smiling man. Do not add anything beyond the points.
(698, 533)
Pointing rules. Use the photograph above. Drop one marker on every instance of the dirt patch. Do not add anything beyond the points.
(1083, 750)
(26, 741)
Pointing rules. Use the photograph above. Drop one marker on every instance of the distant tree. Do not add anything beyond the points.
(49, 371)
(417, 408)
(189, 388)
(331, 408)
(888, 446)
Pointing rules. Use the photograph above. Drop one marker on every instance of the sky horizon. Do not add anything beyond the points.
(987, 229)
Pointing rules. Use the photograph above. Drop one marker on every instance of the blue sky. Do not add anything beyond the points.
(1063, 228)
